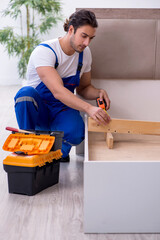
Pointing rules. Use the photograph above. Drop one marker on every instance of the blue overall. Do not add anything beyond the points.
(37, 109)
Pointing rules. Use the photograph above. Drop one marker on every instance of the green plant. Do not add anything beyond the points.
(39, 16)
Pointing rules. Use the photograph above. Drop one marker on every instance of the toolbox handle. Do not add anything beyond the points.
(17, 130)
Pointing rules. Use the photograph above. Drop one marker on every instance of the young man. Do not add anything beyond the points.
(55, 69)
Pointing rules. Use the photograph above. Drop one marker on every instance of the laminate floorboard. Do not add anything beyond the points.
(53, 214)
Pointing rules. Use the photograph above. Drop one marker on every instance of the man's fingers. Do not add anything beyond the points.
(102, 117)
(97, 120)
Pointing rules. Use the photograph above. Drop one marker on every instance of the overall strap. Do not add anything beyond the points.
(80, 62)
(46, 45)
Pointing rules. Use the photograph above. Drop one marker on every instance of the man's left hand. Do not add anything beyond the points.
(104, 96)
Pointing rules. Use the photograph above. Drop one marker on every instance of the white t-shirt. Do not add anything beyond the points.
(43, 56)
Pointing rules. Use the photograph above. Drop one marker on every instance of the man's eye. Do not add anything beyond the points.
(84, 36)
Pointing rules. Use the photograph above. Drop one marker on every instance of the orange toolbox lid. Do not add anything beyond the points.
(29, 143)
(32, 160)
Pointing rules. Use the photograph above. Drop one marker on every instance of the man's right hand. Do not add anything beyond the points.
(99, 115)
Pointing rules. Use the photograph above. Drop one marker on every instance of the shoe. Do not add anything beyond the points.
(65, 159)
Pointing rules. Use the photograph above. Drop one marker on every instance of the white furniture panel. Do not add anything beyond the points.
(123, 195)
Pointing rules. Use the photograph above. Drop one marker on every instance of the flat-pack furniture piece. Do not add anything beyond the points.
(122, 184)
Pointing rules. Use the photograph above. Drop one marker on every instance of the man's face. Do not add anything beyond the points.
(81, 39)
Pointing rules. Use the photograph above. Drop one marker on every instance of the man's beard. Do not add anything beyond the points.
(75, 47)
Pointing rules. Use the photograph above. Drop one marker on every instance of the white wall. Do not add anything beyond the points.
(8, 67)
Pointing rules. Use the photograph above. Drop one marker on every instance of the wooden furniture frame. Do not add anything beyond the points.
(124, 126)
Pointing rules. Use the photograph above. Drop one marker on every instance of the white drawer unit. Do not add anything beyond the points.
(122, 184)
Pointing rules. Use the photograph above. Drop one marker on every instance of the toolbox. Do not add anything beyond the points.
(34, 163)
(38, 143)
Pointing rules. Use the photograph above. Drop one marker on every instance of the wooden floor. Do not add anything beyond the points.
(55, 213)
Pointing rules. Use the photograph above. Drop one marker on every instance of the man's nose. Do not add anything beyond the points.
(86, 42)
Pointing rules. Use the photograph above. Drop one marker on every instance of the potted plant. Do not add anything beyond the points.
(39, 16)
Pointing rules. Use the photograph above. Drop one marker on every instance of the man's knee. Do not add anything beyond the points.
(27, 94)
(76, 134)
(71, 123)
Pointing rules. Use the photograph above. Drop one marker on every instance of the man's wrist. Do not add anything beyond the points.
(87, 107)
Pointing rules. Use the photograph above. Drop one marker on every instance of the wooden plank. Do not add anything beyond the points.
(125, 13)
(109, 140)
(126, 126)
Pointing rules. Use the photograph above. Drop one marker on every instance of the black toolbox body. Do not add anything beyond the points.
(31, 180)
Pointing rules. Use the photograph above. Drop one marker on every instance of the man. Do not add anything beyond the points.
(55, 69)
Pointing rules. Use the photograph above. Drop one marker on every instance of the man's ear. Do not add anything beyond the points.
(71, 29)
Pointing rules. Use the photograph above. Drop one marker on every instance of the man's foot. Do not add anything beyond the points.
(65, 159)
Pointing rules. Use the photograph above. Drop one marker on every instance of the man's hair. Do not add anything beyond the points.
(79, 19)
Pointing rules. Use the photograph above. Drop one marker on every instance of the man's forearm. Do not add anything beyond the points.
(89, 92)
(71, 100)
